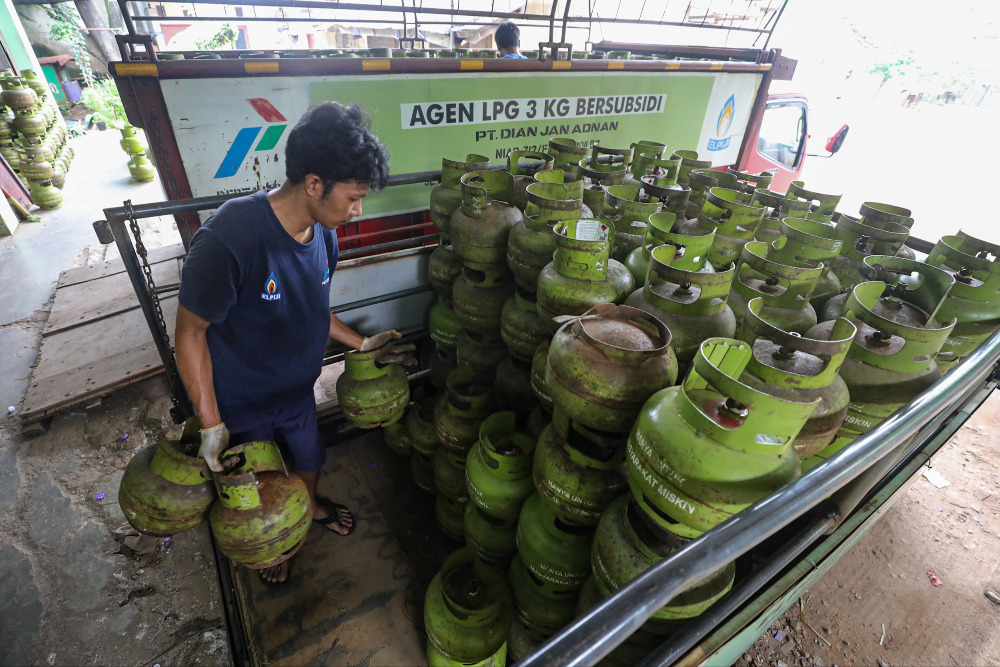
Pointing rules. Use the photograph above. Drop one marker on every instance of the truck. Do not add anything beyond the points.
(216, 125)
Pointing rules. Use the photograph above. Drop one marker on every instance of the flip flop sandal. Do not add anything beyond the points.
(333, 518)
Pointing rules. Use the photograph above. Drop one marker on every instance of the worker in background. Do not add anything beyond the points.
(254, 316)
(508, 39)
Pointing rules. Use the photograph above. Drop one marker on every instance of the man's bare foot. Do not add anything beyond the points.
(333, 516)
(276, 574)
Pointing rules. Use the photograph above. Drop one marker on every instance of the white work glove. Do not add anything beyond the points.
(213, 442)
(387, 353)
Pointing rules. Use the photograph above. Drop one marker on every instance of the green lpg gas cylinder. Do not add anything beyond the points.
(531, 242)
(539, 363)
(513, 389)
(461, 410)
(701, 181)
(627, 543)
(442, 363)
(479, 297)
(559, 177)
(630, 652)
(420, 425)
(656, 169)
(892, 358)
(706, 449)
(691, 252)
(443, 269)
(262, 514)
(974, 300)
(556, 554)
(422, 471)
(523, 165)
(447, 197)
(577, 471)
(861, 240)
(397, 437)
(801, 369)
(541, 615)
(566, 156)
(605, 167)
(689, 162)
(372, 394)
(581, 274)
(750, 182)
(880, 215)
(735, 220)
(692, 304)
(480, 227)
(629, 216)
(784, 287)
(498, 468)
(673, 197)
(452, 497)
(811, 243)
(494, 542)
(521, 327)
(602, 366)
(899, 273)
(467, 613)
(643, 154)
(823, 205)
(444, 325)
(481, 352)
(167, 487)
(778, 208)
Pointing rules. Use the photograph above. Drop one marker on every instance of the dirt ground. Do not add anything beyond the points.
(878, 606)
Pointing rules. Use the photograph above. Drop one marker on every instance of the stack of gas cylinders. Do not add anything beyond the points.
(632, 347)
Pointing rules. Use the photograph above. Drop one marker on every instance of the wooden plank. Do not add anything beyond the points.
(81, 303)
(79, 365)
(82, 274)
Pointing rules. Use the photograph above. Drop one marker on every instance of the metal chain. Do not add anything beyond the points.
(173, 377)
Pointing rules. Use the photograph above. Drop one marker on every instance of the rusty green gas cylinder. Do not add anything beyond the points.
(704, 450)
(798, 368)
(452, 498)
(58, 175)
(480, 227)
(11, 154)
(444, 325)
(513, 389)
(892, 358)
(479, 297)
(974, 300)
(397, 437)
(443, 269)
(420, 425)
(523, 165)
(442, 363)
(519, 642)
(691, 251)
(811, 243)
(693, 305)
(577, 471)
(660, 171)
(461, 410)
(557, 176)
(627, 544)
(32, 80)
(541, 615)
(567, 155)
(643, 154)
(822, 205)
(521, 327)
(778, 208)
(166, 487)
(492, 541)
(467, 613)
(879, 215)
(605, 167)
(557, 555)
(629, 216)
(422, 471)
(537, 421)
(603, 366)
(784, 287)
(447, 197)
(140, 169)
(701, 181)
(735, 220)
(674, 199)
(750, 182)
(689, 162)
(16, 95)
(531, 242)
(539, 362)
(581, 274)
(481, 352)
(861, 240)
(263, 513)
(498, 468)
(45, 194)
(372, 395)
(897, 272)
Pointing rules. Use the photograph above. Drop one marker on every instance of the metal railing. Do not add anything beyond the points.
(857, 467)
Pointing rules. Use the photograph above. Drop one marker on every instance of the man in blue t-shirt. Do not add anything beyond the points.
(508, 39)
(254, 316)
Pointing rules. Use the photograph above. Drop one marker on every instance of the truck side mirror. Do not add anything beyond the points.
(834, 143)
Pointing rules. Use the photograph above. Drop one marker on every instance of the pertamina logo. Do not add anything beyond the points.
(246, 136)
(271, 292)
(722, 125)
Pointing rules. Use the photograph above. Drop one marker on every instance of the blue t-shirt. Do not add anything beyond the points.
(516, 55)
(267, 297)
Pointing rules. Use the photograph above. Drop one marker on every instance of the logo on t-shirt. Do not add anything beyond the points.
(326, 274)
(271, 292)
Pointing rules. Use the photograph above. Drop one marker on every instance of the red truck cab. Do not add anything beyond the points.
(780, 140)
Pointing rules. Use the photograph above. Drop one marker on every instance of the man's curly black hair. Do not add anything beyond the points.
(335, 143)
(507, 35)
